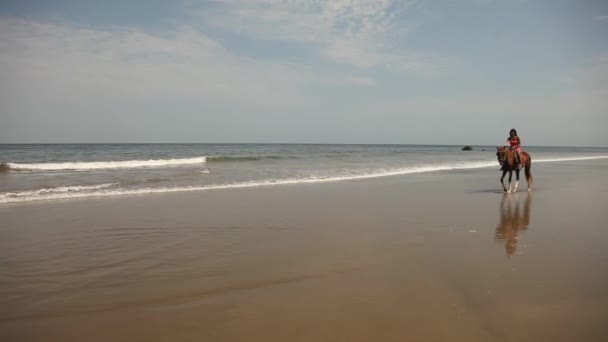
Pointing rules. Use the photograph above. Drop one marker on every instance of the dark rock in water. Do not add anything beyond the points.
(4, 167)
(467, 148)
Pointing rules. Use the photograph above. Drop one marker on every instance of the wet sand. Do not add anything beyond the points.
(432, 257)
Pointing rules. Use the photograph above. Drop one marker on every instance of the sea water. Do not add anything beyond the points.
(36, 172)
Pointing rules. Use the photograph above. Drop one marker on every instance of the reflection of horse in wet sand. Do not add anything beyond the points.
(512, 221)
(507, 160)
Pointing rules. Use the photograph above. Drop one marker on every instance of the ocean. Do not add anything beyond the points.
(35, 172)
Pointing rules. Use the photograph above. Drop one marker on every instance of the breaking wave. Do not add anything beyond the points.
(127, 164)
(547, 160)
(101, 165)
(61, 191)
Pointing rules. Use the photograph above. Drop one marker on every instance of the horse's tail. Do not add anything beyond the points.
(528, 170)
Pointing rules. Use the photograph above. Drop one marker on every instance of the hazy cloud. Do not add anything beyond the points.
(51, 59)
(359, 33)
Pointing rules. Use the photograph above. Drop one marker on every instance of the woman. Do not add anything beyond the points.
(514, 142)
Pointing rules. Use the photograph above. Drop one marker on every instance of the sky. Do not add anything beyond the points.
(304, 71)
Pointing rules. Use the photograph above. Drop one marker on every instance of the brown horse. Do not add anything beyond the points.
(507, 159)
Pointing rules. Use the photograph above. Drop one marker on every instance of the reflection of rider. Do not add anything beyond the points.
(512, 221)
(514, 143)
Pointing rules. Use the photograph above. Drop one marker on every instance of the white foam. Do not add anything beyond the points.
(125, 164)
(568, 159)
(56, 190)
(4, 198)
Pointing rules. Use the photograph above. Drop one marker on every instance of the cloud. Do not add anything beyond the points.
(60, 62)
(303, 20)
(358, 33)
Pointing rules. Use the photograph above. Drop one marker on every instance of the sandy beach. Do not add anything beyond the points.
(422, 257)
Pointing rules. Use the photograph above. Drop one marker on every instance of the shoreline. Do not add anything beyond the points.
(18, 197)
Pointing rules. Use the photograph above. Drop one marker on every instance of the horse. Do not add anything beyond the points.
(507, 159)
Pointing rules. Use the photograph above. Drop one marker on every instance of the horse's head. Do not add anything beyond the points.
(505, 155)
(500, 154)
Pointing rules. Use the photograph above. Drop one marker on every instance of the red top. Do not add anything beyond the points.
(515, 142)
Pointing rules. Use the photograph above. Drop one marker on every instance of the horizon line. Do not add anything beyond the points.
(276, 143)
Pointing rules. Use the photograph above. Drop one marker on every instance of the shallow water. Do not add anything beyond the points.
(47, 172)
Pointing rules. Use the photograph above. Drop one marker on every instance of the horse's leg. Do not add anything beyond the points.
(504, 173)
(510, 178)
(516, 180)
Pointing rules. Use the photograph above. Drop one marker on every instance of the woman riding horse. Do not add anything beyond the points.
(511, 158)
